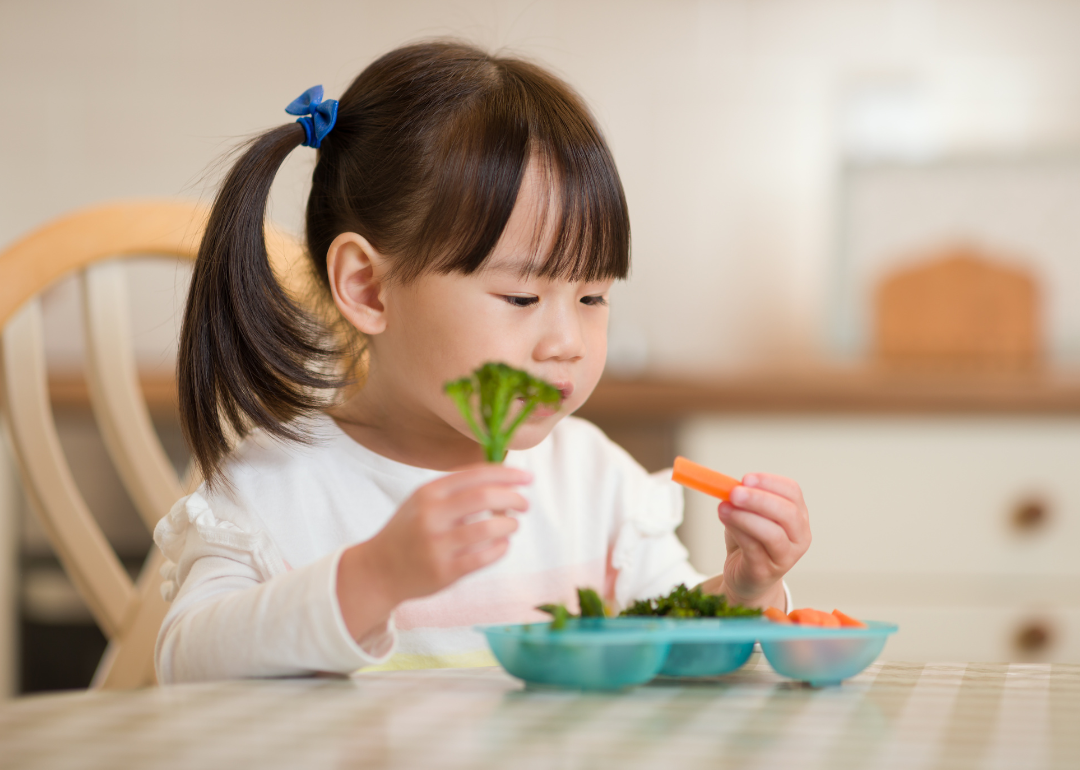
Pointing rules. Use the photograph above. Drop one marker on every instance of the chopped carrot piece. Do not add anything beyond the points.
(806, 617)
(811, 617)
(775, 615)
(698, 477)
(847, 620)
(829, 621)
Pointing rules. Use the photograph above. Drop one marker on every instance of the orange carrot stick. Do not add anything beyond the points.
(847, 620)
(698, 477)
(775, 615)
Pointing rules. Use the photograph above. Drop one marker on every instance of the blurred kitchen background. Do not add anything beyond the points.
(856, 243)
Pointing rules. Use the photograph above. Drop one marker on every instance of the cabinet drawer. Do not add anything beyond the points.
(1003, 635)
(906, 494)
(996, 618)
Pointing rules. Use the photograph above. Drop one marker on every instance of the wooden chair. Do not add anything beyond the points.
(92, 243)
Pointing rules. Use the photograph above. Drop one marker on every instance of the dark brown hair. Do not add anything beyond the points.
(425, 161)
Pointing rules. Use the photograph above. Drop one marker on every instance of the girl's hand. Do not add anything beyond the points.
(430, 543)
(767, 529)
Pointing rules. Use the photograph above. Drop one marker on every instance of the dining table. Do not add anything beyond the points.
(892, 715)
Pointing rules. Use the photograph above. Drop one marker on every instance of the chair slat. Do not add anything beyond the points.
(72, 242)
(117, 398)
(129, 659)
(86, 555)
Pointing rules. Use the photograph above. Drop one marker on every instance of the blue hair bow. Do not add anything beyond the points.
(319, 116)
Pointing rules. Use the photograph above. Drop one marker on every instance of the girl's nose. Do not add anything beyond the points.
(562, 339)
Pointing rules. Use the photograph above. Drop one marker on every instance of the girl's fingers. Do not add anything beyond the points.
(468, 537)
(778, 485)
(768, 534)
(479, 558)
(752, 551)
(779, 510)
(477, 475)
(477, 499)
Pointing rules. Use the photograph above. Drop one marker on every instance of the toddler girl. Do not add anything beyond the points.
(464, 209)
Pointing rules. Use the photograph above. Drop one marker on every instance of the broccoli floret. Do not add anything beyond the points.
(498, 386)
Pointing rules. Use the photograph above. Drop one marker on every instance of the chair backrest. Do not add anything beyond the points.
(91, 243)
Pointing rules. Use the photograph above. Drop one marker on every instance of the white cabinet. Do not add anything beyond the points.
(964, 530)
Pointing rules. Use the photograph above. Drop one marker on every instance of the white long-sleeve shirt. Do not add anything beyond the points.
(253, 564)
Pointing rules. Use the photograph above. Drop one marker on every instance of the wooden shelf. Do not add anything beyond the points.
(69, 391)
(838, 391)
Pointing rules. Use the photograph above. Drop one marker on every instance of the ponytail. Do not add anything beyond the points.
(249, 355)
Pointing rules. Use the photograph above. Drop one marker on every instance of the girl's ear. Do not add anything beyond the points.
(356, 271)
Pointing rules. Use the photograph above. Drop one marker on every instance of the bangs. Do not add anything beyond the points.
(582, 226)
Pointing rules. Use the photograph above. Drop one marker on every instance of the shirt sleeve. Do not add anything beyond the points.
(239, 611)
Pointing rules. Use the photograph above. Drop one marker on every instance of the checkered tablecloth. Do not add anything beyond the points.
(893, 715)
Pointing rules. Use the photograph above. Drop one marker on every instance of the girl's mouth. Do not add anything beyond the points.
(545, 410)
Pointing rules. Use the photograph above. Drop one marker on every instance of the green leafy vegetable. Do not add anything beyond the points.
(682, 602)
(559, 615)
(592, 606)
(686, 602)
(497, 386)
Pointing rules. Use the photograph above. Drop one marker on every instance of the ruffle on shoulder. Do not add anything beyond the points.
(192, 516)
(654, 508)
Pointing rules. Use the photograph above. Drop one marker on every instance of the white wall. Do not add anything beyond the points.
(728, 119)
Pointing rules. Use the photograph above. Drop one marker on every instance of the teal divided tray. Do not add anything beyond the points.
(612, 653)
(589, 654)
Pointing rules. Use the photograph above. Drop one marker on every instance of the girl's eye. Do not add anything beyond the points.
(521, 301)
(596, 299)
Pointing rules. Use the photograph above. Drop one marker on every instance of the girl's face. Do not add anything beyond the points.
(440, 327)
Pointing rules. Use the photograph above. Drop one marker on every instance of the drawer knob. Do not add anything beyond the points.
(1033, 637)
(1030, 515)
